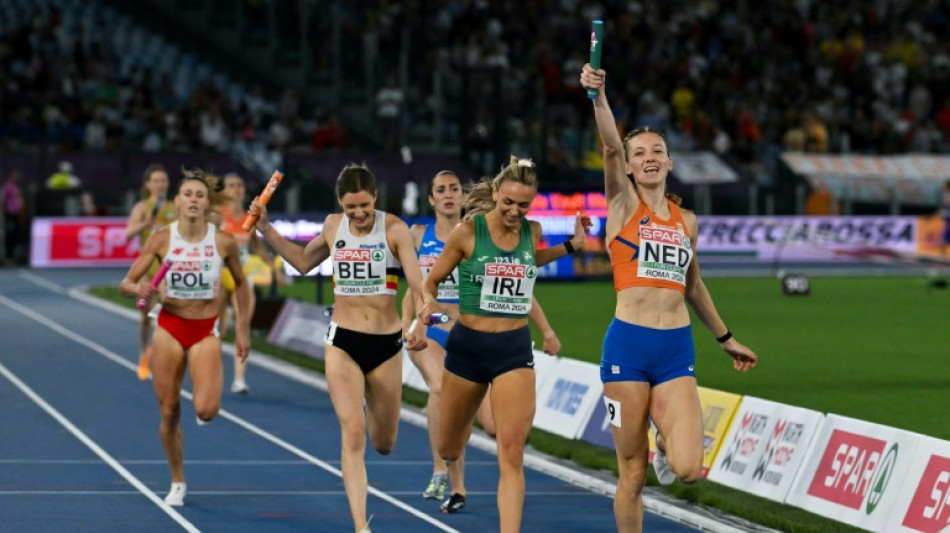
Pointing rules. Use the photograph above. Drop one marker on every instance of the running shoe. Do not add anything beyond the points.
(239, 386)
(664, 474)
(201, 421)
(176, 494)
(454, 504)
(437, 486)
(143, 370)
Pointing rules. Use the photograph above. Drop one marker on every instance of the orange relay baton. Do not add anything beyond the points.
(250, 220)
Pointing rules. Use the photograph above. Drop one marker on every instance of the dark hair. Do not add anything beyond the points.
(640, 131)
(479, 199)
(355, 178)
(438, 175)
(151, 169)
(216, 194)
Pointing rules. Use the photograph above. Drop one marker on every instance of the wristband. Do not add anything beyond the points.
(725, 337)
(569, 247)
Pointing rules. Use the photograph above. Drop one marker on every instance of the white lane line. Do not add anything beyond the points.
(43, 282)
(96, 449)
(222, 413)
(267, 493)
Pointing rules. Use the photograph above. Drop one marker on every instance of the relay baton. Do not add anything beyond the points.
(250, 220)
(596, 43)
(158, 204)
(156, 281)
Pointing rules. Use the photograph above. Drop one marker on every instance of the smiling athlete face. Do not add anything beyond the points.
(445, 197)
(648, 159)
(360, 208)
(512, 201)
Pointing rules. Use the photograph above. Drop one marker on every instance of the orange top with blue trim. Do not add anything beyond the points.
(652, 252)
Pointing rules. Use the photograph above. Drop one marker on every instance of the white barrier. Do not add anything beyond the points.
(567, 397)
(764, 447)
(923, 503)
(854, 472)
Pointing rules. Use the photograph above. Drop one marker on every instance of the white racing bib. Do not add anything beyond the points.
(665, 254)
(449, 288)
(359, 272)
(507, 288)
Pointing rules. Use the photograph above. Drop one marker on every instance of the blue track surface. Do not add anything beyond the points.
(80, 449)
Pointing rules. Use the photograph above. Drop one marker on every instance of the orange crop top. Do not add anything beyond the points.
(652, 252)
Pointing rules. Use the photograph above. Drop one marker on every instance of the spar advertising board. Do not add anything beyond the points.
(855, 472)
(765, 446)
(81, 242)
(923, 502)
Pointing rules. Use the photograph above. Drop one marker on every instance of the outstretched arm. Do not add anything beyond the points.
(615, 175)
(699, 299)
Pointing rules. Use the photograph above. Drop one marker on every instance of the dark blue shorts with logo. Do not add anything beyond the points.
(480, 356)
(638, 353)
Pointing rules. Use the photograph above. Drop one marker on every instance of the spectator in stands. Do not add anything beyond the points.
(63, 179)
(14, 215)
(389, 102)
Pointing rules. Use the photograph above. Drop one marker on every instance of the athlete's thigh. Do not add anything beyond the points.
(513, 402)
(677, 412)
(430, 361)
(628, 405)
(206, 369)
(460, 400)
(384, 393)
(168, 365)
(346, 383)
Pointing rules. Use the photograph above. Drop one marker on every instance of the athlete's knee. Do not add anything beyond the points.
(511, 453)
(384, 444)
(687, 470)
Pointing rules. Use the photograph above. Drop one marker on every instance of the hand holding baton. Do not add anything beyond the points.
(596, 43)
(158, 205)
(250, 220)
(439, 318)
(156, 281)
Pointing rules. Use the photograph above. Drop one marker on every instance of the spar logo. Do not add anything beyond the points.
(854, 471)
(378, 255)
(503, 270)
(426, 261)
(929, 511)
(356, 255)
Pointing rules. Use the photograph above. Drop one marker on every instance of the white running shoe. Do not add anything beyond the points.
(176, 494)
(201, 422)
(664, 474)
(239, 386)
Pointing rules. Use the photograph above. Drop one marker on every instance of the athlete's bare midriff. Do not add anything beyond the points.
(652, 307)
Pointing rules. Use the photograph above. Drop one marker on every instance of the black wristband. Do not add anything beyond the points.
(569, 247)
(724, 338)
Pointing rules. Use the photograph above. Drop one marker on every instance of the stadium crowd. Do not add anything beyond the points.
(746, 79)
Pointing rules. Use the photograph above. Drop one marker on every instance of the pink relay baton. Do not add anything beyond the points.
(156, 281)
